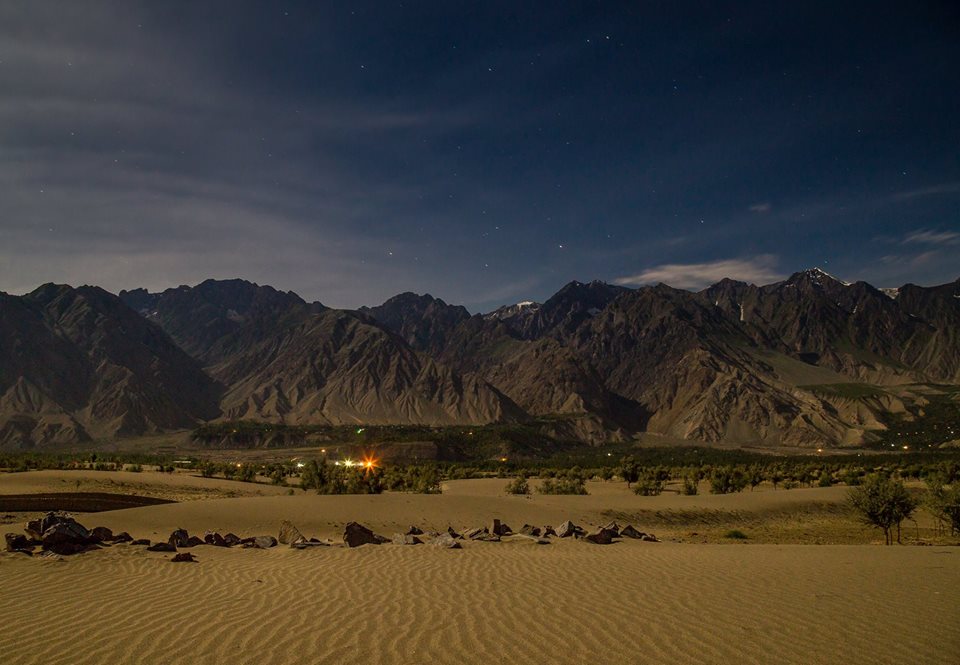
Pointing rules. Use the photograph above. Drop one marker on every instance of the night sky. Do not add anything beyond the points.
(483, 152)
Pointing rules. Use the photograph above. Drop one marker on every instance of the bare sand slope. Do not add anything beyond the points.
(488, 603)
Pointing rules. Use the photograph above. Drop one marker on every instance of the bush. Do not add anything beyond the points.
(563, 486)
(690, 485)
(649, 485)
(518, 486)
(726, 480)
(629, 470)
(826, 479)
(735, 534)
(884, 503)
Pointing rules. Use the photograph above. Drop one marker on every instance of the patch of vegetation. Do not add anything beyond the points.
(884, 503)
(845, 390)
(735, 534)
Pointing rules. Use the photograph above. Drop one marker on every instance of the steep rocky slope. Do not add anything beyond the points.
(77, 364)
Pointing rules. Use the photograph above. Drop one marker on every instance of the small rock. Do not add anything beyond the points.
(100, 534)
(446, 541)
(289, 534)
(453, 534)
(215, 539)
(179, 538)
(122, 537)
(140, 541)
(183, 557)
(231, 539)
(17, 543)
(629, 532)
(261, 542)
(613, 527)
(650, 538)
(162, 547)
(476, 533)
(548, 531)
(568, 529)
(600, 537)
(529, 530)
(414, 531)
(406, 539)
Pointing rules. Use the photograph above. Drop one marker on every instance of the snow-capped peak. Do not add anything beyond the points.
(891, 293)
(819, 273)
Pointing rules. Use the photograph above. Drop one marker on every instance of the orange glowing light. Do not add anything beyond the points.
(369, 463)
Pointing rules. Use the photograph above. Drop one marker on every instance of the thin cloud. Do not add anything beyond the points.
(945, 188)
(760, 208)
(925, 237)
(759, 270)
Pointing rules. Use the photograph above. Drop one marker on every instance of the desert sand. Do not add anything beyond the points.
(516, 602)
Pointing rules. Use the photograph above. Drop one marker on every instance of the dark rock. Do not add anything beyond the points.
(179, 538)
(529, 530)
(18, 543)
(162, 547)
(613, 527)
(600, 537)
(289, 534)
(406, 539)
(215, 539)
(122, 537)
(259, 542)
(629, 532)
(231, 539)
(193, 541)
(568, 529)
(446, 541)
(313, 542)
(35, 528)
(548, 531)
(65, 537)
(100, 534)
(414, 531)
(183, 557)
(650, 538)
(453, 534)
(140, 541)
(355, 535)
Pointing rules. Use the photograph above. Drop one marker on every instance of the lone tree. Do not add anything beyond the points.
(629, 470)
(884, 503)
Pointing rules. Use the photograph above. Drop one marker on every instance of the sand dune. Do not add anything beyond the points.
(568, 602)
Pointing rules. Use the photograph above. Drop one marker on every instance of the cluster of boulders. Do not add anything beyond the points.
(63, 535)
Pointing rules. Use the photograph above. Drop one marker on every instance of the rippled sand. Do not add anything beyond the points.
(568, 602)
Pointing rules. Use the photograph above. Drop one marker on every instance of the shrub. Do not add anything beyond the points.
(735, 534)
(629, 470)
(563, 486)
(726, 480)
(649, 485)
(690, 485)
(518, 485)
(884, 503)
(826, 479)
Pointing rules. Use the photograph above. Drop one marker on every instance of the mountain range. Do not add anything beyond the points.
(809, 361)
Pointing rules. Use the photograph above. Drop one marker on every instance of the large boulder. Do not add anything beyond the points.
(613, 528)
(498, 528)
(122, 537)
(66, 537)
(35, 528)
(231, 539)
(289, 534)
(193, 541)
(355, 535)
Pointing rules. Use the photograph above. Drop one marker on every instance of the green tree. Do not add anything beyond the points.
(629, 470)
(884, 503)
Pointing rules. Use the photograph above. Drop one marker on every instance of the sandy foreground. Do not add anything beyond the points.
(568, 602)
